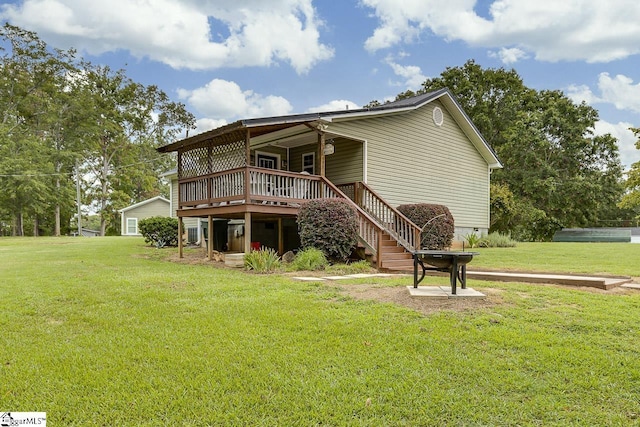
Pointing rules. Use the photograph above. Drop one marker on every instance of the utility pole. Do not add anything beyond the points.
(78, 201)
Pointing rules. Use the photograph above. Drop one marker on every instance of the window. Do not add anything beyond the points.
(132, 225)
(267, 160)
(309, 163)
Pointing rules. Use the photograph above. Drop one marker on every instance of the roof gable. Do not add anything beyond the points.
(262, 126)
(145, 202)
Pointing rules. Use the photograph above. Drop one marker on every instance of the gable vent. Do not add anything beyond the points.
(438, 116)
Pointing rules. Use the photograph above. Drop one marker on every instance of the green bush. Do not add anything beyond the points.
(497, 240)
(160, 231)
(265, 260)
(310, 259)
(436, 222)
(330, 225)
(472, 240)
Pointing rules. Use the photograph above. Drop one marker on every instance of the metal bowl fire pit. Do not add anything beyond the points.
(455, 263)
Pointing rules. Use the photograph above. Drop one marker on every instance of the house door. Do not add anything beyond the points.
(266, 160)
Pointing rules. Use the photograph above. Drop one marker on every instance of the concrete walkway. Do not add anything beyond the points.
(349, 276)
(605, 283)
(557, 279)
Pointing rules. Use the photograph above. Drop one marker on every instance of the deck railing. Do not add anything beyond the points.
(272, 187)
(263, 185)
(369, 231)
(395, 223)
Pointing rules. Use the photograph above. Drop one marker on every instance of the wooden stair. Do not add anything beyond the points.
(394, 257)
(387, 237)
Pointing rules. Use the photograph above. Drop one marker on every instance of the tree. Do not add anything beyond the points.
(57, 112)
(631, 199)
(556, 173)
(30, 80)
(129, 120)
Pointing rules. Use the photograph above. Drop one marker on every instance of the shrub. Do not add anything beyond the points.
(310, 259)
(265, 260)
(436, 222)
(160, 231)
(472, 240)
(497, 240)
(330, 225)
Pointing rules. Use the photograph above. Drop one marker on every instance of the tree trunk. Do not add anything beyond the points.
(18, 229)
(35, 227)
(56, 231)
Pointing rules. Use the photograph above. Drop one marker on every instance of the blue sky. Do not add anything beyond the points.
(232, 59)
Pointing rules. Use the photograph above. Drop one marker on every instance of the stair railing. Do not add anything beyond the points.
(369, 230)
(401, 228)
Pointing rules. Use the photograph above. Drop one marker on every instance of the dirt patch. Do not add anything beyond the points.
(425, 305)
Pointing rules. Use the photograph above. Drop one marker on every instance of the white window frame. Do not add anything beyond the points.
(313, 163)
(265, 154)
(135, 224)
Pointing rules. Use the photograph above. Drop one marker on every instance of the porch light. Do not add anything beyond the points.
(329, 148)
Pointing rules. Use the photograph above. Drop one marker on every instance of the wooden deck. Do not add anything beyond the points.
(233, 192)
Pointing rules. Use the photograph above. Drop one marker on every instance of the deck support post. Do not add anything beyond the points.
(321, 144)
(247, 232)
(210, 237)
(280, 237)
(180, 227)
(379, 250)
(247, 173)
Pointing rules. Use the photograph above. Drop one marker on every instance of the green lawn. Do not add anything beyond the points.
(105, 331)
(595, 258)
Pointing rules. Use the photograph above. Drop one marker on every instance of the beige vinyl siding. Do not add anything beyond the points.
(155, 208)
(411, 160)
(174, 196)
(346, 164)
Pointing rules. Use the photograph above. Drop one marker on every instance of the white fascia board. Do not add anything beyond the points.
(144, 202)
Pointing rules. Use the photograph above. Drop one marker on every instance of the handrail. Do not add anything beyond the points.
(250, 184)
(369, 230)
(393, 221)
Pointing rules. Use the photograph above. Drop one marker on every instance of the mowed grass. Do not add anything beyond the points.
(592, 258)
(105, 331)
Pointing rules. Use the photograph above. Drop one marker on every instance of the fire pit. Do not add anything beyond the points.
(455, 263)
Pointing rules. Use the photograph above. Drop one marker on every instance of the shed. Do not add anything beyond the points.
(129, 216)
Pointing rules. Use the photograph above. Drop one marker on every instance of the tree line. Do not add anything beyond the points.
(64, 118)
(556, 173)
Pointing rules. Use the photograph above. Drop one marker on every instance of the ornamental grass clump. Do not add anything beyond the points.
(497, 240)
(436, 222)
(330, 225)
(310, 259)
(265, 260)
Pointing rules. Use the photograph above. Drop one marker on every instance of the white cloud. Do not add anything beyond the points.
(180, 33)
(222, 101)
(412, 74)
(551, 30)
(626, 140)
(620, 91)
(582, 93)
(336, 105)
(205, 124)
(509, 55)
